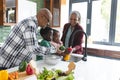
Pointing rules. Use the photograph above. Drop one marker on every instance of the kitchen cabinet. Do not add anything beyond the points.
(1, 11)
(14, 11)
(60, 12)
(104, 53)
(8, 12)
(54, 7)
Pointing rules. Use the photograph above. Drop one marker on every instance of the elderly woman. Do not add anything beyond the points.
(70, 29)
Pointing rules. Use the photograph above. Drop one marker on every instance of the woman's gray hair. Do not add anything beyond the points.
(77, 14)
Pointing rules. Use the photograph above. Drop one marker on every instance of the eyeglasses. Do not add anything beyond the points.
(48, 24)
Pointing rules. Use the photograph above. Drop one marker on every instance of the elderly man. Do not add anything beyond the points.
(22, 41)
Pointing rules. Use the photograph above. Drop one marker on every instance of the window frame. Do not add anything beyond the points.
(113, 14)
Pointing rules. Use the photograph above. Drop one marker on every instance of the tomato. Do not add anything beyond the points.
(69, 49)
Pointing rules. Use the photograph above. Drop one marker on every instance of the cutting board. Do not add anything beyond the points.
(24, 76)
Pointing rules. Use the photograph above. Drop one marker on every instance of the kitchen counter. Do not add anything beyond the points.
(95, 68)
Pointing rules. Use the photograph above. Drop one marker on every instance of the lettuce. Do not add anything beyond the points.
(68, 77)
(49, 75)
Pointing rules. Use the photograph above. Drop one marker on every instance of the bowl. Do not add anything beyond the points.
(52, 59)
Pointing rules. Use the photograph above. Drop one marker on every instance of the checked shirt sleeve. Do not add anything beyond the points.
(32, 43)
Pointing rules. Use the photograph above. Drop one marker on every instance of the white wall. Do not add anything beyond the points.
(26, 9)
(64, 13)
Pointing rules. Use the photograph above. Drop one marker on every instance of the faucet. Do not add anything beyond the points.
(84, 58)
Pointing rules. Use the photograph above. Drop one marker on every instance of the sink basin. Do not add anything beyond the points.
(75, 57)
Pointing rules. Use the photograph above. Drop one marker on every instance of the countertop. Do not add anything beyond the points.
(95, 68)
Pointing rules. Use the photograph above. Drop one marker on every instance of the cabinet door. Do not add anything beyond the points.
(56, 13)
(2, 8)
(8, 12)
(54, 7)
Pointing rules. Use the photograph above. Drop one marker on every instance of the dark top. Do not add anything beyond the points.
(78, 38)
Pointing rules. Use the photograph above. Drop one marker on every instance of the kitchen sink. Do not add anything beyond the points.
(75, 57)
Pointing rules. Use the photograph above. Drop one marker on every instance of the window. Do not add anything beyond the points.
(82, 7)
(102, 20)
(117, 30)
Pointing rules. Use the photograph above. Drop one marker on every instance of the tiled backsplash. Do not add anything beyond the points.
(5, 30)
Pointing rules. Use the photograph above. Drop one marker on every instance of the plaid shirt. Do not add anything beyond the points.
(21, 43)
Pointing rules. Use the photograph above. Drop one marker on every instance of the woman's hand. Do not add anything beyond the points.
(67, 51)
